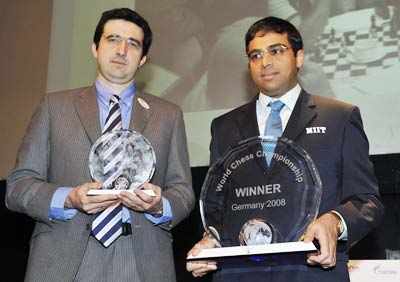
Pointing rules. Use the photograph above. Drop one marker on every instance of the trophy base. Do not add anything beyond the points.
(94, 192)
(256, 250)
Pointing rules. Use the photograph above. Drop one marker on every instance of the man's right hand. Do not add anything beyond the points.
(202, 267)
(78, 199)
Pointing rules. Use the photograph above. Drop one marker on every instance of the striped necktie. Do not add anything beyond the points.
(107, 226)
(273, 127)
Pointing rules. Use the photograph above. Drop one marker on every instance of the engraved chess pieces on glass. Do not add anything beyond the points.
(263, 191)
(121, 160)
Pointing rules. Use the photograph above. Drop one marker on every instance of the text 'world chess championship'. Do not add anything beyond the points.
(359, 52)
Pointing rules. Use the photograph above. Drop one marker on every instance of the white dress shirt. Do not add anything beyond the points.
(263, 110)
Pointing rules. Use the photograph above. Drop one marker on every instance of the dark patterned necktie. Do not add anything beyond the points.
(107, 226)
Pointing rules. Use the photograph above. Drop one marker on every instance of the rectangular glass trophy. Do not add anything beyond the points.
(259, 198)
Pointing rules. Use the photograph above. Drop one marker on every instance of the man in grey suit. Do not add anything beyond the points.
(51, 179)
(329, 130)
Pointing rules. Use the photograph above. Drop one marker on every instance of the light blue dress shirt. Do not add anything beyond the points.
(57, 210)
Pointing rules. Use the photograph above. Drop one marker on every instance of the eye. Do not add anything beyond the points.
(255, 56)
(113, 39)
(277, 50)
(274, 51)
(134, 43)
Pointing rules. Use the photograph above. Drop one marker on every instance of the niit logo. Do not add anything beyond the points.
(316, 130)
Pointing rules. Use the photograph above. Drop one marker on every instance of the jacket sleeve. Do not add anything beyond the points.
(360, 205)
(28, 191)
(178, 183)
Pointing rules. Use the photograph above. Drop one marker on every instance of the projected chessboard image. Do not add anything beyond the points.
(359, 52)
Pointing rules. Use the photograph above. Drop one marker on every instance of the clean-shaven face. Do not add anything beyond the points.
(273, 64)
(119, 53)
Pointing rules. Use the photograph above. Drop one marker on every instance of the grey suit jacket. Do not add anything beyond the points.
(341, 157)
(54, 153)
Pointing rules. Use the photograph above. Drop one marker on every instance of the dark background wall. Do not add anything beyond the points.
(15, 241)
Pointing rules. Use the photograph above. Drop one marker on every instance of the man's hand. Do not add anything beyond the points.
(78, 199)
(202, 267)
(325, 230)
(140, 201)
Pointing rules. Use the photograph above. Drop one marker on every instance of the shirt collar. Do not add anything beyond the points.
(103, 94)
(289, 98)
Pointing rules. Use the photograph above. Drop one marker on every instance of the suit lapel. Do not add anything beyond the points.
(141, 113)
(303, 113)
(88, 112)
(247, 121)
(248, 127)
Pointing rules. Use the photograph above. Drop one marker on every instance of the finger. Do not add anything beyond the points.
(149, 187)
(90, 185)
(326, 256)
(202, 273)
(144, 197)
(195, 251)
(312, 259)
(97, 207)
(205, 243)
(156, 189)
(208, 267)
(95, 210)
(131, 200)
(102, 198)
(324, 247)
(309, 236)
(198, 273)
(318, 258)
(200, 268)
(330, 259)
(128, 197)
(195, 265)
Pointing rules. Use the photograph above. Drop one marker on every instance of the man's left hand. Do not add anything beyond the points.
(141, 201)
(325, 230)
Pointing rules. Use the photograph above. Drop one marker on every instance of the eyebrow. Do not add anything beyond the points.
(139, 43)
(270, 46)
(112, 35)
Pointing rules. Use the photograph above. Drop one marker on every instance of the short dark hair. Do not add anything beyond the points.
(277, 25)
(127, 15)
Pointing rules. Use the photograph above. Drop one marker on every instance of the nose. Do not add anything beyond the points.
(266, 60)
(122, 49)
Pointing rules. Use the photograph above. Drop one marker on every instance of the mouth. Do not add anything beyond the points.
(119, 62)
(269, 75)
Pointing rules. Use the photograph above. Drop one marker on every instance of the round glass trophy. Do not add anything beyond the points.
(121, 160)
(263, 191)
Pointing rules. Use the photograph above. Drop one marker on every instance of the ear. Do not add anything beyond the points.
(142, 61)
(94, 50)
(300, 58)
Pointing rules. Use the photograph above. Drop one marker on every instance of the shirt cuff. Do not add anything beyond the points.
(57, 210)
(166, 215)
(344, 235)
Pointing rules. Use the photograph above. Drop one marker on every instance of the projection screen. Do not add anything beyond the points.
(198, 60)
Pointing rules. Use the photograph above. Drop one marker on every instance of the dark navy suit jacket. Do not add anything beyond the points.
(340, 153)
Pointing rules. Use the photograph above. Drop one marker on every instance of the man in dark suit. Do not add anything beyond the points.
(329, 130)
(51, 179)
